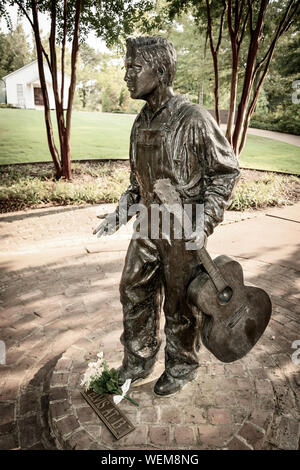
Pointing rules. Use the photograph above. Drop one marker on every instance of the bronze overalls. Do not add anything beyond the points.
(151, 269)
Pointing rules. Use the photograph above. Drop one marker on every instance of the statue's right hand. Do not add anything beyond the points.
(108, 226)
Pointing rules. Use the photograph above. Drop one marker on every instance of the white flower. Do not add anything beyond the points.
(94, 371)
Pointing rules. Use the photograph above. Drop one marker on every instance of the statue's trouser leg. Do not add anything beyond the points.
(140, 295)
(183, 322)
(147, 264)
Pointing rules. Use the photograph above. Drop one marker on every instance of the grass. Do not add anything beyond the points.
(31, 186)
(262, 153)
(106, 136)
(94, 136)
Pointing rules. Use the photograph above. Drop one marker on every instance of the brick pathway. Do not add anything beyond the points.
(59, 302)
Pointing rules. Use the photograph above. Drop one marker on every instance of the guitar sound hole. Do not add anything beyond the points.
(225, 296)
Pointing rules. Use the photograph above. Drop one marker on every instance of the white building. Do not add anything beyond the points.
(23, 88)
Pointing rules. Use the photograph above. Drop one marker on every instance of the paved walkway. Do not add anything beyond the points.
(282, 136)
(59, 286)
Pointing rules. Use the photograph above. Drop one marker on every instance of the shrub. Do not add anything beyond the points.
(288, 122)
(271, 190)
(24, 186)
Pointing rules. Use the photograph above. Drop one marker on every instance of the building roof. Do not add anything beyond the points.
(24, 67)
(18, 70)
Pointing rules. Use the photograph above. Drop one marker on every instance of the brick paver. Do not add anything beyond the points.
(60, 305)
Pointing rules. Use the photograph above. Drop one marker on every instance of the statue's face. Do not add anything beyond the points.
(141, 78)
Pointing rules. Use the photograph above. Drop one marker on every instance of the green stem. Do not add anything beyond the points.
(131, 400)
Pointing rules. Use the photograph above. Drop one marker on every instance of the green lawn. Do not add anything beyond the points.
(261, 153)
(98, 136)
(93, 135)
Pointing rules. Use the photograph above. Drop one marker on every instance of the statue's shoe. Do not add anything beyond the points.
(125, 374)
(168, 385)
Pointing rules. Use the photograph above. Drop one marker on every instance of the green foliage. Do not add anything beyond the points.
(7, 106)
(271, 190)
(33, 186)
(107, 383)
(15, 51)
(25, 186)
(285, 62)
(72, 21)
(110, 19)
(285, 121)
(101, 85)
(279, 113)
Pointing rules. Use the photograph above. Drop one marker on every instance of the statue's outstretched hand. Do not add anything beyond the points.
(108, 226)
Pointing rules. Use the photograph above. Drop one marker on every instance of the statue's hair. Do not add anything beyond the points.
(156, 50)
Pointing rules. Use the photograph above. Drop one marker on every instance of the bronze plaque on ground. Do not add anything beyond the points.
(118, 424)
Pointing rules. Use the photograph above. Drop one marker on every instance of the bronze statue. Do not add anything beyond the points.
(171, 138)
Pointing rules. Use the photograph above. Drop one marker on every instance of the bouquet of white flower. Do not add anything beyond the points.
(102, 380)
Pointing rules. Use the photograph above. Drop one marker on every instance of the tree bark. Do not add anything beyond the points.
(58, 104)
(75, 48)
(267, 59)
(214, 52)
(255, 37)
(49, 128)
(235, 49)
(63, 48)
(233, 93)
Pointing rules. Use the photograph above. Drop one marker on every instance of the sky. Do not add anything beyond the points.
(92, 40)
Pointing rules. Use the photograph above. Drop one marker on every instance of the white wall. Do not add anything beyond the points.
(28, 76)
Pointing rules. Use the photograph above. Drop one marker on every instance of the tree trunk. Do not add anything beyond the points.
(49, 128)
(216, 88)
(63, 47)
(75, 48)
(214, 52)
(233, 92)
(248, 80)
(58, 104)
(258, 82)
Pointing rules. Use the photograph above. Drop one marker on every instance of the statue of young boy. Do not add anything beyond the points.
(171, 138)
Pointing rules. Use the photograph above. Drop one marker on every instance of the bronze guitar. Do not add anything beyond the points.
(234, 315)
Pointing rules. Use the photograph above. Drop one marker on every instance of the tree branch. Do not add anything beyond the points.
(236, 15)
(209, 26)
(214, 53)
(229, 18)
(243, 28)
(49, 128)
(240, 13)
(221, 27)
(58, 105)
(251, 17)
(63, 47)
(75, 48)
(267, 58)
(25, 13)
(32, 25)
(280, 30)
